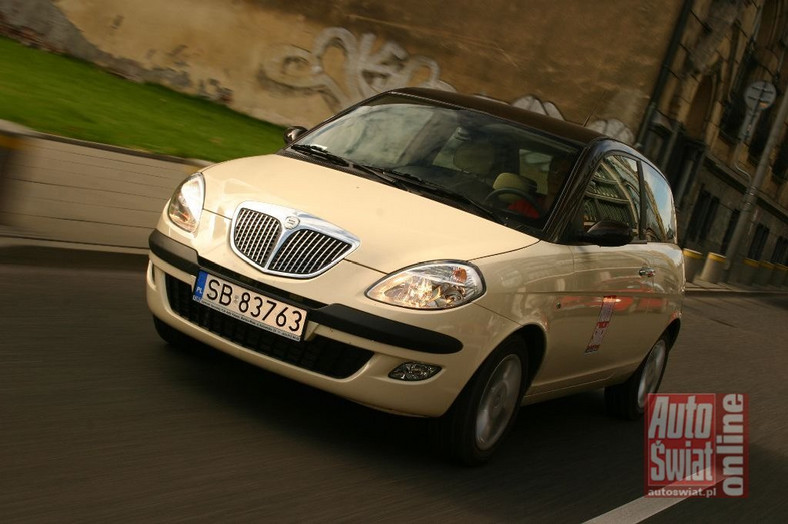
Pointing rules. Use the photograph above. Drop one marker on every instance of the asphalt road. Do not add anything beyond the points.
(101, 421)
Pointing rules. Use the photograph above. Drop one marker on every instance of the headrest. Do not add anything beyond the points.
(510, 180)
(514, 181)
(475, 157)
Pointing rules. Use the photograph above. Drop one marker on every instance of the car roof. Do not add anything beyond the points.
(548, 124)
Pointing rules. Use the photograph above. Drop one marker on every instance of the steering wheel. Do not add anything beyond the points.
(528, 197)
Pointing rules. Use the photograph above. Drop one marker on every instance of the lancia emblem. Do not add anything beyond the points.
(291, 222)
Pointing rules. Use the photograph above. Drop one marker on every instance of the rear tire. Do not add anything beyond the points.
(628, 400)
(484, 413)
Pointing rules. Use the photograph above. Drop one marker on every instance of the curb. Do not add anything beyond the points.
(724, 289)
(50, 185)
(72, 257)
(19, 131)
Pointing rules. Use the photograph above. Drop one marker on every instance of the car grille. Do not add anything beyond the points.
(302, 252)
(321, 355)
(255, 235)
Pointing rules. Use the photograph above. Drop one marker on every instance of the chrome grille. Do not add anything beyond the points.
(307, 251)
(304, 248)
(255, 235)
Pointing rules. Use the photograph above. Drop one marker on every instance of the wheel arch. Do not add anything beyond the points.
(672, 332)
(535, 343)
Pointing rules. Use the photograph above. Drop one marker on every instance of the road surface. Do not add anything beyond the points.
(101, 421)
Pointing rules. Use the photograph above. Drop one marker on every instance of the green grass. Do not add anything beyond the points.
(63, 96)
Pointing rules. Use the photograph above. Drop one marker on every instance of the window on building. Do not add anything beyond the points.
(780, 254)
(760, 134)
(780, 166)
(659, 217)
(758, 242)
(732, 118)
(735, 109)
(703, 215)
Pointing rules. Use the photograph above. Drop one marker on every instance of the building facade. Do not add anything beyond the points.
(715, 109)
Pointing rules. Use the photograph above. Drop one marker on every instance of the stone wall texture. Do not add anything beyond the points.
(299, 62)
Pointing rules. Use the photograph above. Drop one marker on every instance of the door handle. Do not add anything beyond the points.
(646, 272)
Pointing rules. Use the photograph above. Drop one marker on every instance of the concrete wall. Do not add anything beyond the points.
(81, 194)
(299, 62)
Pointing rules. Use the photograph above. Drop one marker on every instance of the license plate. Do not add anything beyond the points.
(250, 306)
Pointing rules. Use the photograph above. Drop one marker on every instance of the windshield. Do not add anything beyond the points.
(458, 156)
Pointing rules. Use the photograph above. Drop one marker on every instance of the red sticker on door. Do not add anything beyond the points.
(605, 314)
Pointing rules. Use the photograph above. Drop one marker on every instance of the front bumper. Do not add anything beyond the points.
(335, 316)
(346, 351)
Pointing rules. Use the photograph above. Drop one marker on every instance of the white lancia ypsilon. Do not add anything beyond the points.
(431, 254)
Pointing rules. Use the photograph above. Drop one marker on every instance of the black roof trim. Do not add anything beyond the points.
(503, 110)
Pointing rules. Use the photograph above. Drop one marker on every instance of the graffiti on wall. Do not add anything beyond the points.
(611, 127)
(366, 71)
(615, 128)
(531, 103)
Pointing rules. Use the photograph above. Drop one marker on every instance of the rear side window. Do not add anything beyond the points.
(660, 216)
(613, 193)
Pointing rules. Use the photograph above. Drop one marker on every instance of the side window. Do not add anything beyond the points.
(613, 193)
(660, 216)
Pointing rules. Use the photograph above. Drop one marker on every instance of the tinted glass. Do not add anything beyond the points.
(660, 216)
(515, 172)
(613, 193)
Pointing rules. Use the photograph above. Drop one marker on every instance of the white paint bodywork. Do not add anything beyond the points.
(396, 228)
(555, 289)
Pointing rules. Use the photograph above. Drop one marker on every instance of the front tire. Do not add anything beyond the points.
(487, 408)
(628, 400)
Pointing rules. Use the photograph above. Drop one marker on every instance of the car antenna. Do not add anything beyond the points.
(596, 107)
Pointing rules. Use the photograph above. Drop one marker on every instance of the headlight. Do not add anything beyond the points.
(435, 285)
(186, 203)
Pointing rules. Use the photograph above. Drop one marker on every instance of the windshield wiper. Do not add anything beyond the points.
(436, 189)
(316, 151)
(395, 178)
(384, 175)
(320, 152)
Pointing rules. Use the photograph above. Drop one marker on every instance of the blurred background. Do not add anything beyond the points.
(697, 85)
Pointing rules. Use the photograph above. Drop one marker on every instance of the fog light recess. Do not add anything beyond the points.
(414, 371)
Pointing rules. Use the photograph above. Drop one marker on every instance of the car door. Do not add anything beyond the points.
(664, 255)
(605, 305)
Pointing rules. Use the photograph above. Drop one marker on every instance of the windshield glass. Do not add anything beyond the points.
(515, 173)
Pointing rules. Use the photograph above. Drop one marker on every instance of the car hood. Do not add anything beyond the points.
(396, 228)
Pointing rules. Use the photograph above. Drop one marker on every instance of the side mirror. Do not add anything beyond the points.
(608, 233)
(292, 134)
